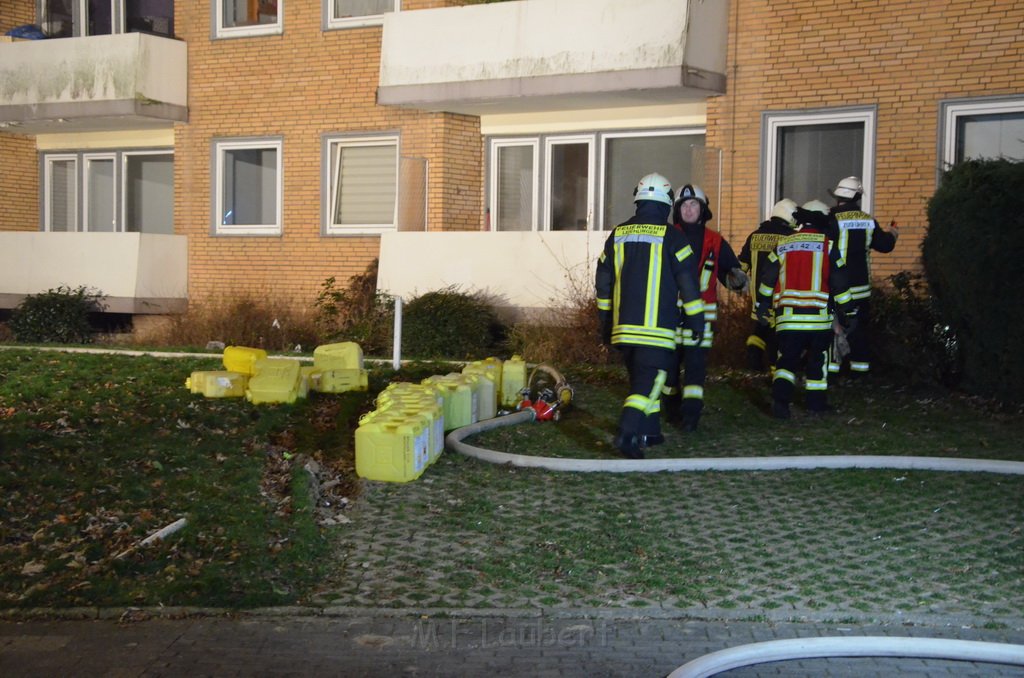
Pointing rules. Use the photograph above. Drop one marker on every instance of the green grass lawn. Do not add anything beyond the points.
(99, 451)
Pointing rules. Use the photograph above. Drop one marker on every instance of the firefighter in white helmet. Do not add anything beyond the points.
(683, 395)
(646, 265)
(857, 233)
(780, 223)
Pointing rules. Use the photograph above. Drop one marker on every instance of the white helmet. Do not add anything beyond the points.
(815, 206)
(848, 188)
(784, 209)
(692, 192)
(654, 187)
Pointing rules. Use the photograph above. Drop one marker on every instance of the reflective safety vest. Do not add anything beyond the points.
(805, 263)
(708, 271)
(756, 249)
(639, 275)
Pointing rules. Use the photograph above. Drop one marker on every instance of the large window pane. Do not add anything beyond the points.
(250, 187)
(62, 198)
(568, 186)
(100, 18)
(149, 193)
(365, 185)
(58, 20)
(352, 8)
(515, 192)
(990, 136)
(149, 16)
(812, 158)
(238, 13)
(627, 159)
(99, 194)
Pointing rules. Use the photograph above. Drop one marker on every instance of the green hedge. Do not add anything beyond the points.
(973, 257)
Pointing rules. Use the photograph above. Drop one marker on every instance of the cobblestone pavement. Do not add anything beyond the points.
(370, 644)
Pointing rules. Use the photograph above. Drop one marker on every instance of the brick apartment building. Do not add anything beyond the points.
(172, 152)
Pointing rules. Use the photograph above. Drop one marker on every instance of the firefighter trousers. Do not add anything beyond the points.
(803, 347)
(647, 368)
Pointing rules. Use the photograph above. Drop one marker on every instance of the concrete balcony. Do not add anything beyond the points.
(96, 83)
(547, 55)
(139, 273)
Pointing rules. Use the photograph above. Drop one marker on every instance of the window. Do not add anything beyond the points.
(575, 168)
(982, 128)
(121, 191)
(69, 18)
(362, 181)
(354, 13)
(570, 172)
(805, 154)
(246, 18)
(248, 194)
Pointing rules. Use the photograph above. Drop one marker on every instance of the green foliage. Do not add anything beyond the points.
(356, 313)
(448, 323)
(57, 316)
(911, 340)
(972, 253)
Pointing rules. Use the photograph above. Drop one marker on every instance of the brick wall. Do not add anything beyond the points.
(299, 86)
(905, 58)
(19, 183)
(16, 13)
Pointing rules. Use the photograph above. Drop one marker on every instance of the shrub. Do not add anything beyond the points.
(357, 313)
(247, 318)
(911, 341)
(448, 323)
(971, 253)
(58, 315)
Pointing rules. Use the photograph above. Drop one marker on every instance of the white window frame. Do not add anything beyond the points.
(549, 143)
(332, 149)
(492, 203)
(124, 178)
(222, 31)
(87, 159)
(220, 149)
(49, 159)
(774, 121)
(951, 110)
(605, 137)
(331, 22)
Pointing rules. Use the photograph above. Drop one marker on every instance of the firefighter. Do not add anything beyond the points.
(857, 233)
(716, 262)
(761, 341)
(804, 279)
(646, 265)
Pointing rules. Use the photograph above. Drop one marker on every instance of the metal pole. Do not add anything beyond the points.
(396, 357)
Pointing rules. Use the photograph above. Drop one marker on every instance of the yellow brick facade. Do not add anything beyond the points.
(904, 58)
(300, 86)
(19, 183)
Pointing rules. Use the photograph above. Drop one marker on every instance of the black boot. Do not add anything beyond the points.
(629, 445)
(780, 409)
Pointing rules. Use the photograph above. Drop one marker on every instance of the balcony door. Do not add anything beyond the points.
(76, 18)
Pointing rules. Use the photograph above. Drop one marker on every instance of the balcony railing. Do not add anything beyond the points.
(138, 272)
(94, 83)
(539, 55)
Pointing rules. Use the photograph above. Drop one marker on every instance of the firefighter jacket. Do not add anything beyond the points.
(714, 262)
(856, 234)
(801, 277)
(644, 267)
(755, 251)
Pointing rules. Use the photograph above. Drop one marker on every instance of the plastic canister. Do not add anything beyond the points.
(427, 406)
(242, 359)
(513, 381)
(277, 380)
(346, 355)
(218, 384)
(342, 380)
(391, 447)
(461, 405)
(310, 375)
(487, 377)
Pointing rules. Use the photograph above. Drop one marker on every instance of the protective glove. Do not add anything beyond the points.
(737, 281)
(847, 320)
(605, 322)
(763, 315)
(694, 323)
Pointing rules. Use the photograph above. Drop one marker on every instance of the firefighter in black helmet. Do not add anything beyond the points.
(646, 265)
